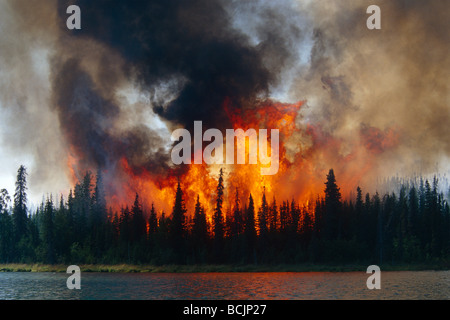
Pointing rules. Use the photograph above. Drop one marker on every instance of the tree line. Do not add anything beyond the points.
(410, 226)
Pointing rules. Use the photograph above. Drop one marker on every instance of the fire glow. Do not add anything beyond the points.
(300, 170)
(181, 153)
(211, 85)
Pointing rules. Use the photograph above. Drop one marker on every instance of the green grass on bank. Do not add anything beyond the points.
(127, 268)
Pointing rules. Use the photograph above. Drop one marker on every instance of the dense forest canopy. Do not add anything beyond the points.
(411, 225)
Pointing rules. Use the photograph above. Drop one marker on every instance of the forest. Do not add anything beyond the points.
(409, 226)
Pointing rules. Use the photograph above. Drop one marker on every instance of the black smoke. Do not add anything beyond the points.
(87, 120)
(193, 41)
(61, 89)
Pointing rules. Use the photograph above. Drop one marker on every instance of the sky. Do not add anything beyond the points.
(393, 80)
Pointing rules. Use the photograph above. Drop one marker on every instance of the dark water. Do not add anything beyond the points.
(284, 285)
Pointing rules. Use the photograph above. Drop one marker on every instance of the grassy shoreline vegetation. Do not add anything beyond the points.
(129, 268)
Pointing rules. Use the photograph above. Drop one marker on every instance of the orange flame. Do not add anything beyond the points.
(302, 165)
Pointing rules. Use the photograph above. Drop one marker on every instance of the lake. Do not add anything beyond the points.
(251, 285)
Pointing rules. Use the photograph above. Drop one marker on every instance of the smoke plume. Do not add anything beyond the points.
(108, 96)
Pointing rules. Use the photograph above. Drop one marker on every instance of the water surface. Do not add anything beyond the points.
(251, 285)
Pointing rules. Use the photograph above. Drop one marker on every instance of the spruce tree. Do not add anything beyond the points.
(124, 233)
(263, 213)
(306, 225)
(295, 217)
(177, 226)
(413, 203)
(359, 202)
(177, 231)
(199, 232)
(20, 204)
(218, 227)
(6, 228)
(139, 228)
(99, 207)
(200, 227)
(273, 216)
(332, 219)
(237, 216)
(250, 231)
(152, 221)
(218, 223)
(61, 231)
(284, 217)
(4, 200)
(48, 231)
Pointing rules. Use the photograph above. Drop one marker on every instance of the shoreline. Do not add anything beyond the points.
(129, 268)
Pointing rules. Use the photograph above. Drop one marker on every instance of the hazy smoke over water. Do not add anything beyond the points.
(115, 89)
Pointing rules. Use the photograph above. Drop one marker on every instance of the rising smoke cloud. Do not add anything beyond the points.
(139, 69)
(393, 81)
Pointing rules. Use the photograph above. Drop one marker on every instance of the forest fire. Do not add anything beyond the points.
(312, 103)
(302, 165)
(225, 81)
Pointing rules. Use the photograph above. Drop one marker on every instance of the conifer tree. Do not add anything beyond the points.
(177, 226)
(139, 227)
(152, 221)
(294, 217)
(332, 219)
(218, 226)
(273, 216)
(48, 231)
(306, 226)
(124, 225)
(359, 202)
(99, 210)
(218, 221)
(199, 232)
(6, 228)
(200, 227)
(237, 222)
(284, 216)
(20, 204)
(413, 203)
(263, 213)
(250, 231)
